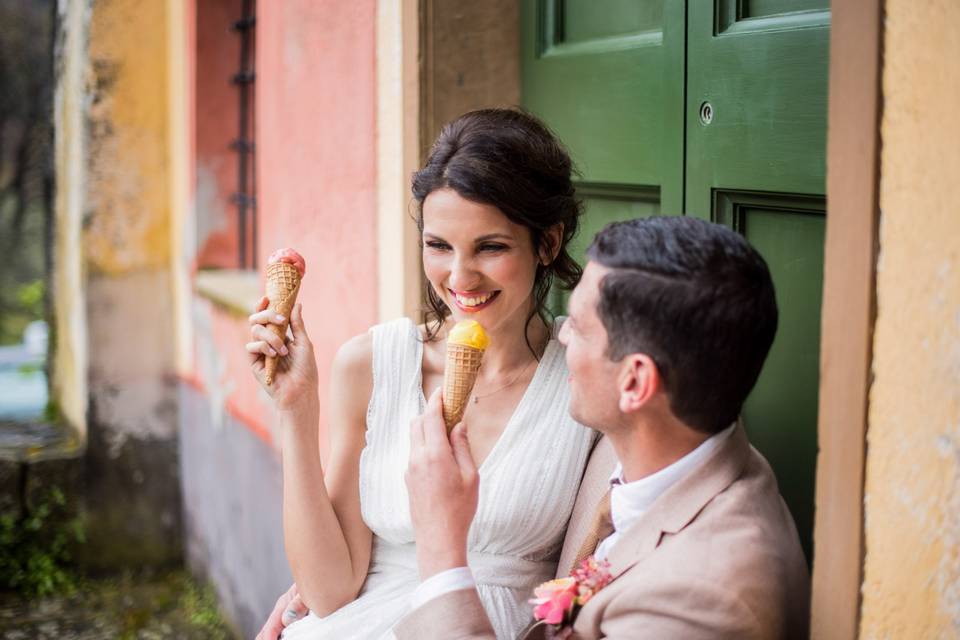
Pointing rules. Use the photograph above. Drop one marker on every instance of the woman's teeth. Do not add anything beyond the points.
(474, 301)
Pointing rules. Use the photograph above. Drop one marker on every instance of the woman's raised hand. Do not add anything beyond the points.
(296, 378)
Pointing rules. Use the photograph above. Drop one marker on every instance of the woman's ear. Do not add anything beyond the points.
(552, 238)
(639, 382)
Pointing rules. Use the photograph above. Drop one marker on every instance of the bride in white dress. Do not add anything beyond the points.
(496, 211)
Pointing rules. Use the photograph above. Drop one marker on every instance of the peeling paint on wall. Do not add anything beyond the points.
(128, 221)
(912, 567)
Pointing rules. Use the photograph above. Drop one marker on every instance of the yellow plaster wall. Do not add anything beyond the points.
(128, 226)
(912, 567)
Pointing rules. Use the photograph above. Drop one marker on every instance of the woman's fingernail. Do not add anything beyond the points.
(280, 318)
(284, 351)
(273, 353)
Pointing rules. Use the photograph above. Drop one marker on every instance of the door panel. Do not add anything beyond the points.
(756, 162)
(781, 413)
(608, 78)
(604, 204)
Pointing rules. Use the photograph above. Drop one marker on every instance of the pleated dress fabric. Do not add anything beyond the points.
(528, 484)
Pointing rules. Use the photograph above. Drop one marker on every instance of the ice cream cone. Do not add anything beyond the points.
(465, 346)
(283, 285)
(459, 376)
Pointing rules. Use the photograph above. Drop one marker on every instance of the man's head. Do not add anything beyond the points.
(670, 310)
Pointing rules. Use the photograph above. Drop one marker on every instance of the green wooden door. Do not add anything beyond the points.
(750, 78)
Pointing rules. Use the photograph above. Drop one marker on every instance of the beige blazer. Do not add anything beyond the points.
(716, 556)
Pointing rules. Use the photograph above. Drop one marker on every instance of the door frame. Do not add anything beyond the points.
(848, 313)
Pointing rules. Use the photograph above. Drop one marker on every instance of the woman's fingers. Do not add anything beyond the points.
(295, 610)
(265, 316)
(259, 348)
(261, 333)
(296, 325)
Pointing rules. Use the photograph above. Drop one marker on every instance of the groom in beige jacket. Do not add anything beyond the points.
(667, 333)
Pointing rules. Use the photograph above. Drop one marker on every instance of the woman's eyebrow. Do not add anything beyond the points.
(493, 236)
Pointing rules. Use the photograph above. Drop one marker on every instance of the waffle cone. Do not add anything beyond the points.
(283, 285)
(459, 376)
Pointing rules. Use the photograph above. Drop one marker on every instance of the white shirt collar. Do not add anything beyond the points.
(630, 500)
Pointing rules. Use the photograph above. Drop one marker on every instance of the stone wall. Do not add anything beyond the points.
(912, 568)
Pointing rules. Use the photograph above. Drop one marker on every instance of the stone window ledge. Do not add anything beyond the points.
(233, 290)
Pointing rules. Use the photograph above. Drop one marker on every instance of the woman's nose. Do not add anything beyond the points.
(463, 274)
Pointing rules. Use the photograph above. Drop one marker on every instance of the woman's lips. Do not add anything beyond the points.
(473, 302)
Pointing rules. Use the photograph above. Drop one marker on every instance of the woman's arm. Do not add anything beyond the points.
(327, 543)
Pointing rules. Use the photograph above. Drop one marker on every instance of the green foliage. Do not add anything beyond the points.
(199, 605)
(35, 548)
(25, 306)
(51, 412)
(30, 297)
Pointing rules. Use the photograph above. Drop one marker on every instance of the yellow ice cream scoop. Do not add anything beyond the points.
(468, 333)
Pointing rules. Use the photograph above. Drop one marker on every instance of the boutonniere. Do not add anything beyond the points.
(558, 602)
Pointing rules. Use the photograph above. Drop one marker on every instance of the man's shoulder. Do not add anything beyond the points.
(741, 555)
(745, 525)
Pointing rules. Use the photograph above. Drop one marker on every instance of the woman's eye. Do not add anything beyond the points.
(489, 246)
(437, 246)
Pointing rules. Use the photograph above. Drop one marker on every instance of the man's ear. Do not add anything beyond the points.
(639, 382)
(552, 238)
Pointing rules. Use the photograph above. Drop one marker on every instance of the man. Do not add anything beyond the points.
(667, 333)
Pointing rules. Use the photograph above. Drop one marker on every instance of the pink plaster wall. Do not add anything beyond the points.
(316, 161)
(217, 59)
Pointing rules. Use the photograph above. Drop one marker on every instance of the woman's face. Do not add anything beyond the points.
(481, 264)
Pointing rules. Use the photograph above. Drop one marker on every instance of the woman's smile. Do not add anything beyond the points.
(473, 301)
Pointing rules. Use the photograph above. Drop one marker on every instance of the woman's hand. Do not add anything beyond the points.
(295, 382)
(289, 609)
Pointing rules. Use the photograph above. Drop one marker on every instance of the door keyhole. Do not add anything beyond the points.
(706, 113)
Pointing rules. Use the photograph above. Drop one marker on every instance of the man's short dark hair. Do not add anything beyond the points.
(697, 299)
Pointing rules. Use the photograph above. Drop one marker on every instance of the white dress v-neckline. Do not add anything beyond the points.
(530, 391)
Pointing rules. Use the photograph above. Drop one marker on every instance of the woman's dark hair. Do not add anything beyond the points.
(697, 299)
(509, 159)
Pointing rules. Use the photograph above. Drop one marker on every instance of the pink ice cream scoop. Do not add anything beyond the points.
(289, 256)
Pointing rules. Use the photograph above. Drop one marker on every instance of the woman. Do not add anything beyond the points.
(496, 211)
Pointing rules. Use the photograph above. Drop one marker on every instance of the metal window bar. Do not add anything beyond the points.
(244, 145)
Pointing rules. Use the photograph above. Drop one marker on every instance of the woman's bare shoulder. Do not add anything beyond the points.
(355, 356)
(352, 374)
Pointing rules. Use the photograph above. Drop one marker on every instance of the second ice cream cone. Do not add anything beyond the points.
(283, 285)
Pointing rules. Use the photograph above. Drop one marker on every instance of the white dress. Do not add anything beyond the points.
(528, 484)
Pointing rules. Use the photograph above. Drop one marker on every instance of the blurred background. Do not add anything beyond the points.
(153, 154)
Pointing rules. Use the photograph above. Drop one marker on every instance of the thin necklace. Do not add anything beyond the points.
(477, 398)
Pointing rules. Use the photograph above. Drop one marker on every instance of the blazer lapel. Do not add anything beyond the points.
(681, 503)
(595, 482)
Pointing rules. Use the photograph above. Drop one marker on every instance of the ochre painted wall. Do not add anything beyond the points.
(128, 227)
(912, 568)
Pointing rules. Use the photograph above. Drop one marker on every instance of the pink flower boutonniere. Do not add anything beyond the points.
(558, 602)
